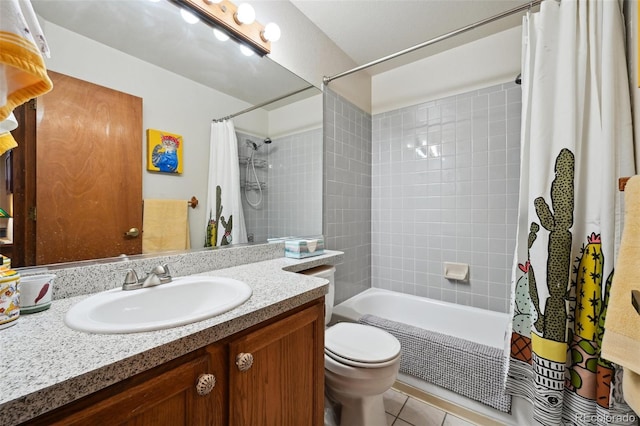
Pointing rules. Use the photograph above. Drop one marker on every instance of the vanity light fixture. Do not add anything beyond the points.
(245, 14)
(271, 32)
(237, 22)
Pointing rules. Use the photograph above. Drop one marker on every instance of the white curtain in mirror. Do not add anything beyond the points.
(225, 218)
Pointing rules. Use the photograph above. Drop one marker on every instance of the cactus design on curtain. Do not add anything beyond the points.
(212, 227)
(557, 347)
(576, 140)
(589, 375)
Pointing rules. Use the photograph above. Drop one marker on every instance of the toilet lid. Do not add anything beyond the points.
(359, 344)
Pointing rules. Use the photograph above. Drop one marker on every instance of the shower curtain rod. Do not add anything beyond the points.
(228, 117)
(435, 40)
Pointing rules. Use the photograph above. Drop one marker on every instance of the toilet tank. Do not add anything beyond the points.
(327, 272)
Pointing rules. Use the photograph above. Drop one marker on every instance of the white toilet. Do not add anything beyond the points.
(360, 363)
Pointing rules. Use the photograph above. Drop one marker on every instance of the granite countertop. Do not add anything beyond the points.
(45, 364)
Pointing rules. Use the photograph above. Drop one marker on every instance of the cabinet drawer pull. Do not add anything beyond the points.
(205, 384)
(244, 361)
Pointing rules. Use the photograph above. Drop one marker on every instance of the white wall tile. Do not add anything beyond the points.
(348, 192)
(457, 204)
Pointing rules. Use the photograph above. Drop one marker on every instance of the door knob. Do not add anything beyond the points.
(133, 232)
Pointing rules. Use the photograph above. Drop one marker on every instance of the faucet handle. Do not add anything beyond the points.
(167, 271)
(161, 270)
(161, 273)
(131, 277)
(131, 281)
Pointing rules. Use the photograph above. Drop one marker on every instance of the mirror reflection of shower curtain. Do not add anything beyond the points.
(225, 218)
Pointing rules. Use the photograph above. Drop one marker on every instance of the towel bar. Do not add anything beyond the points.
(622, 182)
(193, 202)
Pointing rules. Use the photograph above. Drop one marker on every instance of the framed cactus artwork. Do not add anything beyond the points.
(164, 152)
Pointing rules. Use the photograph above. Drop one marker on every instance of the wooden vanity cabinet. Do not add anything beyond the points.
(284, 383)
(166, 395)
(269, 374)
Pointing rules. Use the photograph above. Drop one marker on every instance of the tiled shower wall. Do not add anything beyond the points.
(295, 184)
(347, 191)
(445, 189)
(256, 218)
(291, 167)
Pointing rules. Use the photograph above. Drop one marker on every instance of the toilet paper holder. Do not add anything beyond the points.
(456, 271)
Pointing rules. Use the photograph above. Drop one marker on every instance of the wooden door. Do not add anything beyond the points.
(24, 186)
(285, 384)
(89, 172)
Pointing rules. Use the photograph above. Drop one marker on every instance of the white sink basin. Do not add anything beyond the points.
(184, 300)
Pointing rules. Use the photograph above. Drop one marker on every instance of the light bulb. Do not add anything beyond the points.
(271, 32)
(188, 16)
(245, 50)
(220, 35)
(245, 14)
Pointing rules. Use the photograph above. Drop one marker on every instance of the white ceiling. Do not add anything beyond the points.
(367, 30)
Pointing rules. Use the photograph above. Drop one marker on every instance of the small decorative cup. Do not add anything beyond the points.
(9, 297)
(35, 293)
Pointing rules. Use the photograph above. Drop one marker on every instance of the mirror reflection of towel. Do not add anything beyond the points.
(165, 226)
(22, 44)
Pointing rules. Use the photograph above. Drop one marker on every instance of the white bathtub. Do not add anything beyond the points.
(469, 323)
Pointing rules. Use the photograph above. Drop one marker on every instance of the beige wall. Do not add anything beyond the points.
(485, 62)
(309, 53)
(296, 117)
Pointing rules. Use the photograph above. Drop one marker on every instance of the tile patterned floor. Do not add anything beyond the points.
(404, 410)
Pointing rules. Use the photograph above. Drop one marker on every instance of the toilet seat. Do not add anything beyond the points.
(360, 345)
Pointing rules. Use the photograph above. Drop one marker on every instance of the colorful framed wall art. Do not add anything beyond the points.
(164, 152)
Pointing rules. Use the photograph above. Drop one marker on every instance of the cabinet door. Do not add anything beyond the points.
(284, 386)
(167, 399)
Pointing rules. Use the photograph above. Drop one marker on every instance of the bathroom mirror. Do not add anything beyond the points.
(186, 78)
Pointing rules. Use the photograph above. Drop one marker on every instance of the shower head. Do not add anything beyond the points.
(267, 141)
(251, 144)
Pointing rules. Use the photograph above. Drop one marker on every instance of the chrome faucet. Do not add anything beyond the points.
(158, 275)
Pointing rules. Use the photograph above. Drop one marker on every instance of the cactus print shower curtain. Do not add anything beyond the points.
(225, 218)
(576, 142)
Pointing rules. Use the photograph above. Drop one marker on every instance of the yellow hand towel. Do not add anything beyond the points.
(22, 67)
(165, 226)
(621, 342)
(7, 142)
